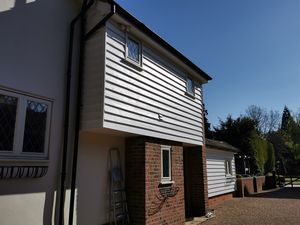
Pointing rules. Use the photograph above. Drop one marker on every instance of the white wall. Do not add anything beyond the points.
(218, 183)
(92, 98)
(92, 201)
(33, 43)
(134, 98)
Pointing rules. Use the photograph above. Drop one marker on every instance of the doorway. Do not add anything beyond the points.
(194, 185)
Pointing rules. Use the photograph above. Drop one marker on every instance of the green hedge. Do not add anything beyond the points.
(264, 154)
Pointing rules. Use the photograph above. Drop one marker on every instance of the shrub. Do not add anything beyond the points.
(264, 154)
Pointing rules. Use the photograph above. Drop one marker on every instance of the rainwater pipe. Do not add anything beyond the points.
(80, 17)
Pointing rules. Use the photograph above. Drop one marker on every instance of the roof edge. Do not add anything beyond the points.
(221, 145)
(126, 15)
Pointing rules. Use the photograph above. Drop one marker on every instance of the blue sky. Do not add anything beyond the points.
(250, 48)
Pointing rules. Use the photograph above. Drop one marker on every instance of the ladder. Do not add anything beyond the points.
(118, 205)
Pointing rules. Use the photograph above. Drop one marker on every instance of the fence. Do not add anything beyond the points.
(291, 180)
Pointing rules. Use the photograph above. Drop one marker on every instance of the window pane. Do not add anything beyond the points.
(189, 85)
(8, 112)
(166, 163)
(228, 167)
(133, 50)
(35, 127)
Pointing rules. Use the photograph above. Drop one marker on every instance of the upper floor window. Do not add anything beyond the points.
(190, 86)
(24, 125)
(166, 163)
(133, 51)
(228, 168)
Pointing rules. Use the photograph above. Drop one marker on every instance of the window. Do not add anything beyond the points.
(190, 87)
(133, 51)
(24, 125)
(228, 168)
(165, 163)
(8, 113)
(35, 126)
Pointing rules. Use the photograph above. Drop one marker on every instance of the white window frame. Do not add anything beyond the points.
(132, 61)
(166, 179)
(228, 167)
(17, 151)
(188, 92)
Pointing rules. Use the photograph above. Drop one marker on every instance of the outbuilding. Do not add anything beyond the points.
(221, 175)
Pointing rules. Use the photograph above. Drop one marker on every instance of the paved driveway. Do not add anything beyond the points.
(280, 207)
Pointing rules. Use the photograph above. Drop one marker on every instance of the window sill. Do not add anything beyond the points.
(23, 161)
(189, 94)
(164, 182)
(132, 64)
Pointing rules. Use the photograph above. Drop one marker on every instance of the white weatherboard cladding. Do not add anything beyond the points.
(93, 80)
(135, 98)
(218, 183)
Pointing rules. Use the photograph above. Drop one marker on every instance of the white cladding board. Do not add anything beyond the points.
(218, 183)
(135, 98)
(93, 81)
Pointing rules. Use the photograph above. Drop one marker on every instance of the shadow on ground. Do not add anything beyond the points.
(283, 193)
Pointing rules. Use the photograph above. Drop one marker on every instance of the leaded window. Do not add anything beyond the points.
(35, 126)
(133, 51)
(24, 125)
(190, 87)
(8, 113)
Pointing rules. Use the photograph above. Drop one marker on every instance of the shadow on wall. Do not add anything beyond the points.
(6, 5)
(32, 59)
(92, 182)
(30, 198)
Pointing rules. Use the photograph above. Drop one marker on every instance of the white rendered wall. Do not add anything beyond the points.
(92, 200)
(33, 51)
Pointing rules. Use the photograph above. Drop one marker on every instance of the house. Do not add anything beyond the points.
(134, 92)
(221, 174)
(143, 97)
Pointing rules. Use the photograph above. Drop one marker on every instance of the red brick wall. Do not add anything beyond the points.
(204, 180)
(213, 201)
(259, 182)
(143, 176)
(245, 186)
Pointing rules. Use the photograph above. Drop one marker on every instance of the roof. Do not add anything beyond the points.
(220, 145)
(126, 15)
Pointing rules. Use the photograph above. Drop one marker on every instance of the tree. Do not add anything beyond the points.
(265, 121)
(273, 121)
(297, 117)
(264, 154)
(283, 153)
(235, 131)
(286, 141)
(286, 119)
(260, 135)
(238, 132)
(207, 130)
(243, 134)
(258, 115)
